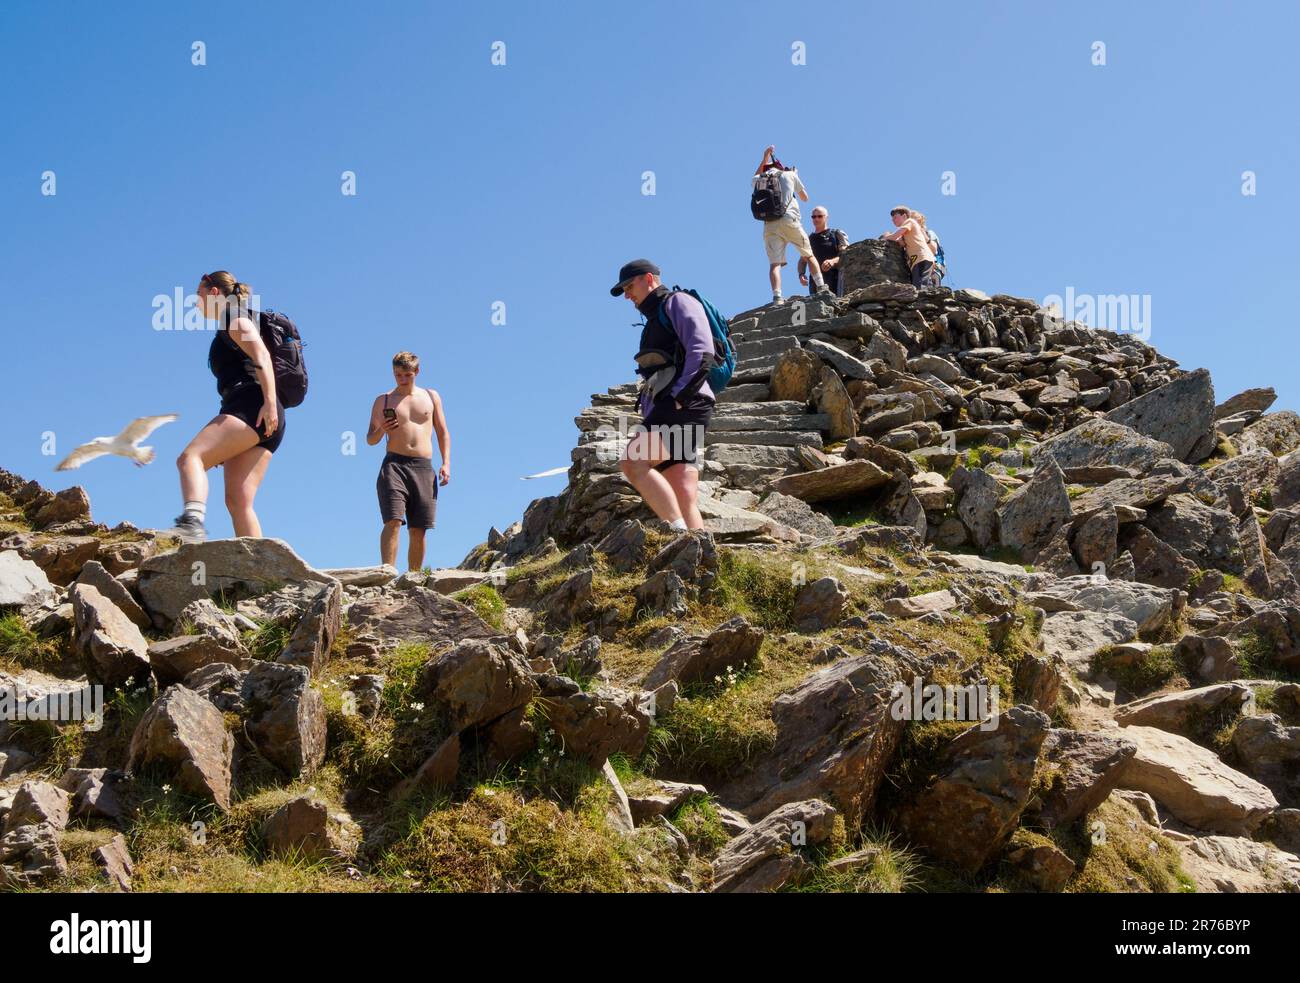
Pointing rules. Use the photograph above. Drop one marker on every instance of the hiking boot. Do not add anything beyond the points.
(823, 291)
(189, 528)
(777, 300)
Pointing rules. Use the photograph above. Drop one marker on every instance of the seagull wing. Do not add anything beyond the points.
(137, 430)
(84, 453)
(544, 474)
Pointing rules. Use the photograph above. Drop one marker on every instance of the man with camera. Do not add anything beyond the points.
(408, 417)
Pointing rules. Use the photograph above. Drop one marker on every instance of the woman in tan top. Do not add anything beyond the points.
(916, 244)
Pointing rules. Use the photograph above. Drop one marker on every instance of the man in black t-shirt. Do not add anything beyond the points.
(828, 246)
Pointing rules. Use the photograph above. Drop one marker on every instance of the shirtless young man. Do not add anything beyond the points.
(409, 418)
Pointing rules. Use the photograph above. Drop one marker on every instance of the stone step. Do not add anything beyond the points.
(747, 348)
(770, 438)
(595, 417)
(783, 407)
(753, 392)
(806, 421)
(753, 455)
(855, 325)
(792, 412)
(753, 373)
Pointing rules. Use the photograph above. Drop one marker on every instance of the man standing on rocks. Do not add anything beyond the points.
(676, 403)
(408, 489)
(916, 244)
(828, 246)
(788, 228)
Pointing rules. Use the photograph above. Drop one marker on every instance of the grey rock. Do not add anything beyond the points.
(94, 574)
(115, 649)
(819, 605)
(1027, 520)
(22, 582)
(768, 855)
(186, 736)
(284, 717)
(835, 737)
(984, 782)
(697, 659)
(237, 567)
(1180, 413)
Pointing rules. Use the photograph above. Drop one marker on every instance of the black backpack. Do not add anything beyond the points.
(769, 200)
(282, 340)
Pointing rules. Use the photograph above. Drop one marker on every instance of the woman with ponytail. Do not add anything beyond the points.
(250, 423)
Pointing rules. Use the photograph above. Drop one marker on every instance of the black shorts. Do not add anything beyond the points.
(246, 404)
(680, 431)
(408, 490)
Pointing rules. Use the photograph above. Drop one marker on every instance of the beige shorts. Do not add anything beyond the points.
(783, 232)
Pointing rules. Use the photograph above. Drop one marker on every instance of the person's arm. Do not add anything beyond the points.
(800, 190)
(896, 235)
(444, 437)
(379, 427)
(691, 325)
(803, 267)
(841, 244)
(244, 333)
(767, 156)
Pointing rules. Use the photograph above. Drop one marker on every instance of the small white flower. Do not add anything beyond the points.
(166, 789)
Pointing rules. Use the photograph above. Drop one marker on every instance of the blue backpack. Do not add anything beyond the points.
(724, 354)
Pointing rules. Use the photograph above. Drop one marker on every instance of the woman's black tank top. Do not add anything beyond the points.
(233, 369)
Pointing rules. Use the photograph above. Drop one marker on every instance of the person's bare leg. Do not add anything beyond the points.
(644, 451)
(685, 483)
(415, 549)
(774, 275)
(388, 542)
(815, 279)
(220, 440)
(244, 474)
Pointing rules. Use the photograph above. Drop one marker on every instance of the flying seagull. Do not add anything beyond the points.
(125, 444)
(543, 474)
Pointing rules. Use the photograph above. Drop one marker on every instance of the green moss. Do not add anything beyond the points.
(1141, 674)
(1113, 849)
(1257, 657)
(760, 590)
(486, 602)
(718, 728)
(700, 823)
(21, 648)
(891, 869)
(268, 640)
(499, 841)
(851, 514)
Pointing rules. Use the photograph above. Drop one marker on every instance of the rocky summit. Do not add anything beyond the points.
(986, 601)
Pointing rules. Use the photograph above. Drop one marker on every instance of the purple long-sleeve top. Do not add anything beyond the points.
(691, 325)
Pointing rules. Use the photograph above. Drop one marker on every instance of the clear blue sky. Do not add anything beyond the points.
(522, 184)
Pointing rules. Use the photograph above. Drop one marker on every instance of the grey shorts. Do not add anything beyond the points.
(408, 490)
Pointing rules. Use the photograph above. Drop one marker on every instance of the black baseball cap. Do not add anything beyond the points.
(631, 270)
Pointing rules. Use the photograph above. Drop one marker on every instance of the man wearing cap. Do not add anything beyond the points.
(662, 459)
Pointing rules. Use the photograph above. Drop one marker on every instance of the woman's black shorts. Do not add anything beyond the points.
(246, 404)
